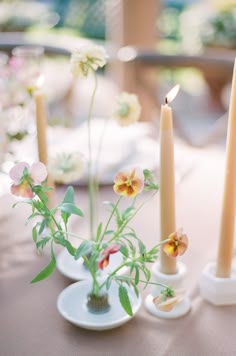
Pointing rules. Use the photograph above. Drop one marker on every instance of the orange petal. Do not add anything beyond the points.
(120, 178)
(184, 239)
(103, 263)
(138, 184)
(166, 305)
(182, 247)
(139, 174)
(22, 190)
(119, 188)
(173, 236)
(170, 249)
(130, 192)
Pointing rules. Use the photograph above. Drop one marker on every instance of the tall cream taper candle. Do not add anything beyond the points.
(225, 248)
(41, 124)
(167, 180)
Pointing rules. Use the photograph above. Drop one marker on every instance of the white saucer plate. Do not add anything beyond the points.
(71, 304)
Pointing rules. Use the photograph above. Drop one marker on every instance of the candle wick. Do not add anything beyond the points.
(166, 100)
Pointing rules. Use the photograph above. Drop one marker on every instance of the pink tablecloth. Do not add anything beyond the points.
(31, 325)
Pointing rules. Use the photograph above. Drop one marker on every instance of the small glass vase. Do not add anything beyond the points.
(98, 304)
(98, 298)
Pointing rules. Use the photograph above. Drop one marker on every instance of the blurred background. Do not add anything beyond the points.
(152, 45)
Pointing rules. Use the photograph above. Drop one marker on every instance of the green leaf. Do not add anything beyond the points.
(60, 240)
(69, 196)
(31, 217)
(83, 249)
(136, 278)
(124, 251)
(99, 232)
(131, 246)
(131, 234)
(70, 209)
(65, 216)
(42, 243)
(43, 224)
(149, 181)
(147, 174)
(151, 186)
(127, 213)
(147, 274)
(71, 249)
(136, 290)
(124, 300)
(108, 282)
(154, 250)
(34, 234)
(109, 232)
(142, 248)
(46, 272)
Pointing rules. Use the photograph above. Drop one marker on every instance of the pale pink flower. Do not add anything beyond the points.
(25, 176)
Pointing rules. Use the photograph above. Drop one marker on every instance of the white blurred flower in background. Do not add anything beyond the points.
(86, 59)
(66, 168)
(127, 110)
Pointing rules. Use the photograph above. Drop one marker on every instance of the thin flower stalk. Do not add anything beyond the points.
(91, 177)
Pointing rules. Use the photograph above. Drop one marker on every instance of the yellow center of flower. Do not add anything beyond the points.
(129, 182)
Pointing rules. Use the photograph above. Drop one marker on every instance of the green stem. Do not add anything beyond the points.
(46, 208)
(71, 234)
(96, 286)
(100, 144)
(111, 215)
(121, 228)
(90, 165)
(97, 161)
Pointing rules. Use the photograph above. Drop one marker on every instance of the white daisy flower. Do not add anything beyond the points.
(66, 167)
(128, 109)
(87, 58)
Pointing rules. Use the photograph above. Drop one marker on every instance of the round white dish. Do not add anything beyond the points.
(76, 270)
(71, 304)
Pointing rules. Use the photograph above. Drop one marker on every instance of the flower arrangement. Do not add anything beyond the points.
(106, 238)
(51, 228)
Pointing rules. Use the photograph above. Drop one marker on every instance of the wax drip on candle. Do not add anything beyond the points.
(172, 94)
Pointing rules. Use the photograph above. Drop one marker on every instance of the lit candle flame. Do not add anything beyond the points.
(172, 94)
(40, 81)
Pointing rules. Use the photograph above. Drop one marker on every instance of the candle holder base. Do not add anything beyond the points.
(218, 291)
(173, 280)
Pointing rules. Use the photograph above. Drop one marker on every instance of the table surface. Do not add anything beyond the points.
(31, 325)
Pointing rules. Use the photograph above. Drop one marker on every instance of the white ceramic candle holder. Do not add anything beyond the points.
(173, 280)
(216, 290)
